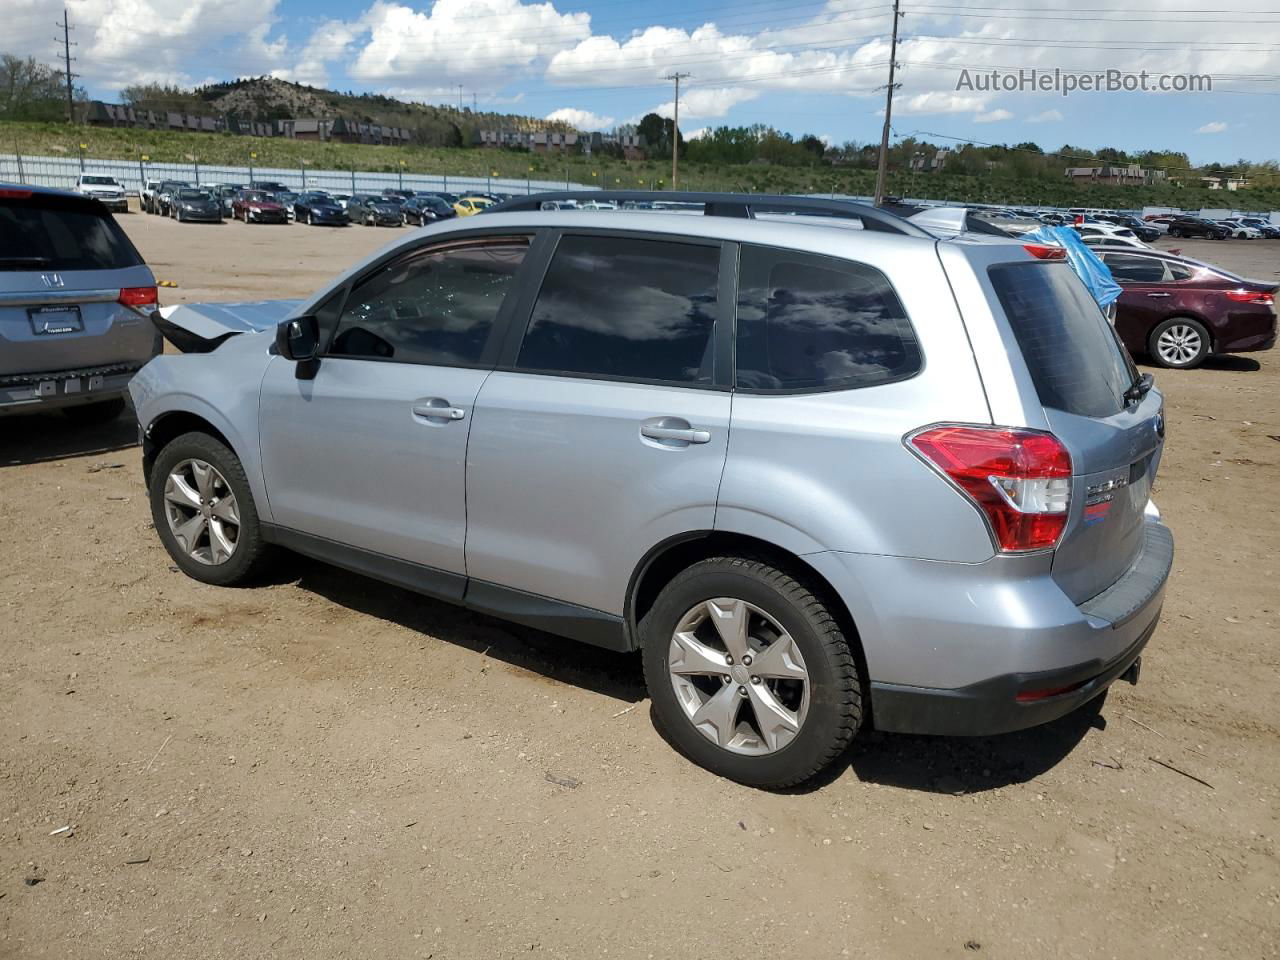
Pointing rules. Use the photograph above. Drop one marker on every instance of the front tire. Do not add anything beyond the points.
(750, 674)
(1179, 343)
(203, 510)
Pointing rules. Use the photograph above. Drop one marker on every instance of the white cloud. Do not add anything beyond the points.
(483, 43)
(938, 102)
(580, 119)
(1045, 116)
(1216, 126)
(330, 41)
(706, 102)
(697, 134)
(993, 116)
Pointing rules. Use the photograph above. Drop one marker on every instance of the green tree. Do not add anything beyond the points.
(30, 90)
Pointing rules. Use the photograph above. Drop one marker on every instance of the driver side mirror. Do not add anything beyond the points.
(299, 338)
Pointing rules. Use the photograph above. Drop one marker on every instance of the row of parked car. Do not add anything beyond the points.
(270, 202)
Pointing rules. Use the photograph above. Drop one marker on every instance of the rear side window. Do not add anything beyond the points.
(1131, 269)
(48, 232)
(817, 323)
(434, 307)
(626, 308)
(1076, 362)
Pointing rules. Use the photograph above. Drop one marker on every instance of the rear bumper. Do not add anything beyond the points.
(982, 649)
(31, 393)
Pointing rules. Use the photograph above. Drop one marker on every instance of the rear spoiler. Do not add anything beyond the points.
(201, 327)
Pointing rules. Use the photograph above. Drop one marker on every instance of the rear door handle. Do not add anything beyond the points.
(673, 430)
(1159, 294)
(437, 409)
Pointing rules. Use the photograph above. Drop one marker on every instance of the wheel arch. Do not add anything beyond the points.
(170, 425)
(666, 559)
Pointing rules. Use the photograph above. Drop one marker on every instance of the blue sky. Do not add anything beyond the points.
(799, 66)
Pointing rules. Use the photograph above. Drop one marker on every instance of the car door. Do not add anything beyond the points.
(604, 431)
(370, 452)
(1145, 298)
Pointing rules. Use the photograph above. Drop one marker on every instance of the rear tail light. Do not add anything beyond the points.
(138, 296)
(1019, 479)
(1251, 296)
(1043, 251)
(12, 193)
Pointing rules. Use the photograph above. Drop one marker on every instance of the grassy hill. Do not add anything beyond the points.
(213, 149)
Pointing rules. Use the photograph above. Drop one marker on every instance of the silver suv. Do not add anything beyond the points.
(76, 302)
(823, 477)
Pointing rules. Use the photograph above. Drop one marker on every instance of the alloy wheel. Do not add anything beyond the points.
(739, 676)
(1179, 345)
(202, 512)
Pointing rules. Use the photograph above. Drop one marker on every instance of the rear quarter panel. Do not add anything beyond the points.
(829, 471)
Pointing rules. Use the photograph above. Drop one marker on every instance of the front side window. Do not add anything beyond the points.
(626, 308)
(437, 306)
(808, 322)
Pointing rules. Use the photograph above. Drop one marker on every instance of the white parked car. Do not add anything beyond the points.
(1103, 232)
(106, 189)
(1101, 240)
(1241, 231)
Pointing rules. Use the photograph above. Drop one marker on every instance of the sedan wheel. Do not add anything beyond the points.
(202, 511)
(1180, 343)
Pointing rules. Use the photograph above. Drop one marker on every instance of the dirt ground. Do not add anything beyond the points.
(328, 767)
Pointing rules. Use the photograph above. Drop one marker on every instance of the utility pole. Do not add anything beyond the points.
(675, 131)
(883, 166)
(459, 98)
(67, 58)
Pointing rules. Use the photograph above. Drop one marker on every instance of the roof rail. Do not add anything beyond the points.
(739, 205)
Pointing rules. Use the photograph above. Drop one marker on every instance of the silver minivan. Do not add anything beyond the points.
(76, 301)
(824, 469)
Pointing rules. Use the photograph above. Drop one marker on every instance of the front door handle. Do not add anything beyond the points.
(437, 409)
(673, 431)
(1159, 294)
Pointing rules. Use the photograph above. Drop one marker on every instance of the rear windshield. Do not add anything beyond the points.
(1075, 360)
(48, 232)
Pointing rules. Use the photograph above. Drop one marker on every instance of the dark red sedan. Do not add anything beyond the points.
(1179, 311)
(257, 206)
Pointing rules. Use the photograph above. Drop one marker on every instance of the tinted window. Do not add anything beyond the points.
(623, 307)
(1178, 272)
(43, 232)
(1071, 351)
(1128, 269)
(807, 322)
(437, 306)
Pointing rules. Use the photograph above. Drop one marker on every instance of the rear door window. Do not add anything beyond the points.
(1132, 269)
(808, 322)
(626, 308)
(51, 232)
(1071, 351)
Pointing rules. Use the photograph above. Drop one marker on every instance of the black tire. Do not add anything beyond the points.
(835, 699)
(104, 411)
(251, 551)
(1206, 343)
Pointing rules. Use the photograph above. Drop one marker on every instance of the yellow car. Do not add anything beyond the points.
(470, 206)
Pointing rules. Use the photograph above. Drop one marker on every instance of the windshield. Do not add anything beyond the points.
(192, 195)
(257, 198)
(103, 181)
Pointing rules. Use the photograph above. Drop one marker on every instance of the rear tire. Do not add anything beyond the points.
(1179, 343)
(813, 676)
(104, 411)
(227, 484)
